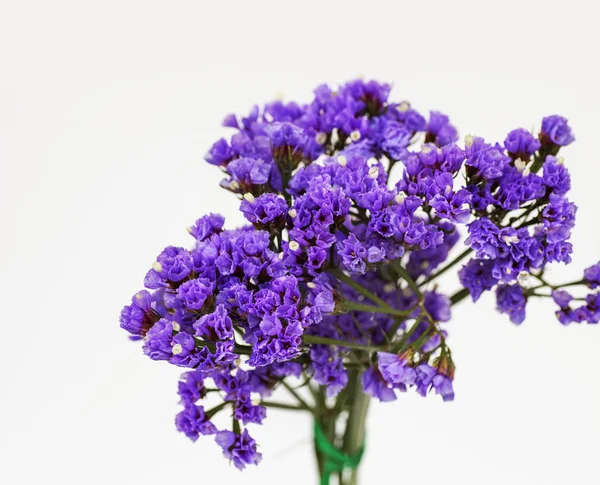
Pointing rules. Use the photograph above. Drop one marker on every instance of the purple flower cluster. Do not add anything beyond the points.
(334, 272)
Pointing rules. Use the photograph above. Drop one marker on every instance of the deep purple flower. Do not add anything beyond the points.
(206, 226)
(562, 298)
(353, 254)
(484, 238)
(159, 338)
(138, 317)
(477, 276)
(246, 412)
(591, 276)
(216, 325)
(556, 129)
(191, 387)
(511, 299)
(263, 210)
(521, 144)
(395, 369)
(395, 137)
(375, 385)
(239, 448)
(194, 293)
(429, 377)
(220, 153)
(192, 422)
(247, 173)
(440, 130)
(172, 265)
(329, 372)
(438, 306)
(185, 353)
(556, 176)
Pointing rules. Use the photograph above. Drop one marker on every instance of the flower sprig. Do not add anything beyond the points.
(334, 280)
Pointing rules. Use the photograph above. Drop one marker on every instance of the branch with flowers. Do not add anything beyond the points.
(330, 295)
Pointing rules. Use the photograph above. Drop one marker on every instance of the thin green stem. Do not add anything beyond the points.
(280, 405)
(400, 345)
(299, 398)
(406, 277)
(315, 339)
(340, 275)
(388, 310)
(238, 349)
(354, 436)
(211, 412)
(455, 261)
(459, 296)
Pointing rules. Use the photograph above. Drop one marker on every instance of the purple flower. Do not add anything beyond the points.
(375, 385)
(220, 153)
(429, 377)
(263, 210)
(206, 226)
(521, 144)
(477, 276)
(484, 238)
(591, 276)
(246, 173)
(395, 137)
(194, 293)
(191, 387)
(395, 369)
(138, 317)
(215, 326)
(487, 162)
(511, 299)
(192, 422)
(158, 340)
(556, 129)
(331, 374)
(246, 412)
(240, 448)
(172, 265)
(562, 298)
(556, 176)
(185, 353)
(353, 254)
(439, 129)
(438, 306)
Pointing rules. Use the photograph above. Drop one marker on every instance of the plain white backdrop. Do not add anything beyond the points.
(106, 109)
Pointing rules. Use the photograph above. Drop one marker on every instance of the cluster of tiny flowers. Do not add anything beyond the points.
(334, 269)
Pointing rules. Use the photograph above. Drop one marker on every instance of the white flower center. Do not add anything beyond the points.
(468, 141)
(321, 138)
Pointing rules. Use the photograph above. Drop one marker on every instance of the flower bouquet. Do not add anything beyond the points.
(330, 293)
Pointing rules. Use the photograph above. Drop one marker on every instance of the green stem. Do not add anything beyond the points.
(303, 404)
(388, 310)
(459, 296)
(354, 436)
(440, 272)
(358, 287)
(400, 345)
(406, 277)
(315, 339)
(280, 405)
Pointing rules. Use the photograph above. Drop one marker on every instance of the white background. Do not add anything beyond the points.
(106, 109)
